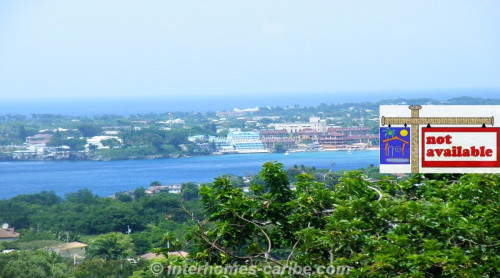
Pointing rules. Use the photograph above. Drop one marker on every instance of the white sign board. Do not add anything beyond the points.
(455, 142)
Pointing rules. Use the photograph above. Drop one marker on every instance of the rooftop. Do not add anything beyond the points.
(8, 233)
(149, 256)
(70, 245)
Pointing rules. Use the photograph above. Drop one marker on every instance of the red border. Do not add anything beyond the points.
(467, 163)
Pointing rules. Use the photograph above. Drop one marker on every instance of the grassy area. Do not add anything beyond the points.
(87, 238)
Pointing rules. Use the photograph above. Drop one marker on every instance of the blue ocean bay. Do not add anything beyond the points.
(107, 178)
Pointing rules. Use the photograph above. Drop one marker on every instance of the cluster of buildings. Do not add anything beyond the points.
(330, 137)
(36, 147)
(347, 137)
(312, 135)
(261, 134)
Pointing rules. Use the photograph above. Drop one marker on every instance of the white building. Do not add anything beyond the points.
(246, 142)
(97, 141)
(315, 124)
(256, 109)
(111, 132)
(197, 138)
(175, 121)
(172, 188)
(222, 144)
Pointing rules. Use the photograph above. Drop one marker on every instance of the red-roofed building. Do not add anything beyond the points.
(38, 139)
(271, 137)
(348, 135)
(309, 134)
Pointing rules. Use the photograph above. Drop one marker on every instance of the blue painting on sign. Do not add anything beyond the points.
(394, 145)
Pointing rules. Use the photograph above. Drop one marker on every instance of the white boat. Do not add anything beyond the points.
(287, 153)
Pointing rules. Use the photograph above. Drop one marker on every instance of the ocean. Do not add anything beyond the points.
(127, 105)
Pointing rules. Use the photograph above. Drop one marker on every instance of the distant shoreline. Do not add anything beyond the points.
(183, 156)
(130, 106)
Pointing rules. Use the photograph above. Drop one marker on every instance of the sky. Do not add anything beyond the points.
(181, 49)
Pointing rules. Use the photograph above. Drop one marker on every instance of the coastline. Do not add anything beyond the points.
(156, 157)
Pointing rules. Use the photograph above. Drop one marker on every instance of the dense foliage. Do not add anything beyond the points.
(44, 217)
(84, 213)
(430, 225)
(422, 226)
(28, 264)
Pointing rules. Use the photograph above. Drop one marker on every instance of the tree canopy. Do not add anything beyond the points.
(429, 225)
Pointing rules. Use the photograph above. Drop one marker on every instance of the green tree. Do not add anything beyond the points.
(155, 183)
(82, 196)
(111, 246)
(139, 193)
(112, 143)
(21, 133)
(76, 144)
(89, 130)
(30, 264)
(123, 197)
(240, 219)
(189, 191)
(426, 226)
(96, 268)
(278, 147)
(56, 140)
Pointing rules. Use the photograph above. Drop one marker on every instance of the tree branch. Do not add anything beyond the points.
(376, 190)
(269, 244)
(293, 250)
(203, 234)
(213, 244)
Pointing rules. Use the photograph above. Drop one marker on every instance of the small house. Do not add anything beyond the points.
(70, 250)
(8, 234)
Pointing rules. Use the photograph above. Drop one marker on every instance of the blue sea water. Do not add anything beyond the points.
(107, 178)
(202, 103)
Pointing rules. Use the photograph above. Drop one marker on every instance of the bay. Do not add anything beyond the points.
(107, 178)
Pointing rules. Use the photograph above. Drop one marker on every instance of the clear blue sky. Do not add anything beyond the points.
(97, 48)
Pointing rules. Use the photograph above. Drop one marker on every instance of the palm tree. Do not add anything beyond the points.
(389, 133)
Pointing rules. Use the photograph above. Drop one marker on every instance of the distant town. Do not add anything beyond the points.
(339, 127)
